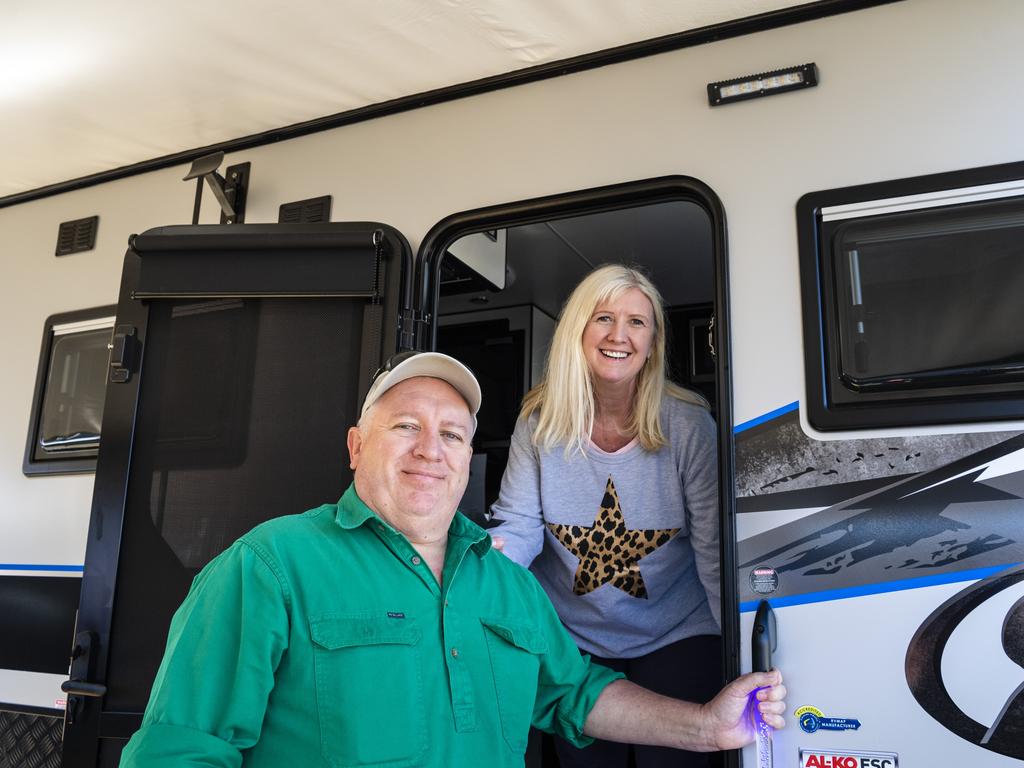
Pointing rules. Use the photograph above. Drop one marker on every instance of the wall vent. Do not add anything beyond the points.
(305, 211)
(78, 235)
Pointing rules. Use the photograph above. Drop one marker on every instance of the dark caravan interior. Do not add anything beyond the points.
(503, 333)
(499, 317)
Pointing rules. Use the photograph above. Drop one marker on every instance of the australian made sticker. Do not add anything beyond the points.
(812, 719)
(819, 758)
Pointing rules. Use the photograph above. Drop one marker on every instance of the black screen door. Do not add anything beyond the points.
(240, 356)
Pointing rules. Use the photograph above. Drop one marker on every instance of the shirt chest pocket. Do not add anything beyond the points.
(515, 649)
(369, 690)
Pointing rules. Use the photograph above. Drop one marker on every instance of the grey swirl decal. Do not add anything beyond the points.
(923, 665)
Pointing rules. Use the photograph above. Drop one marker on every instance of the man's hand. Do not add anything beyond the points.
(729, 718)
(628, 713)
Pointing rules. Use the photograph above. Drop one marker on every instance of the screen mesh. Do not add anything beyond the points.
(242, 416)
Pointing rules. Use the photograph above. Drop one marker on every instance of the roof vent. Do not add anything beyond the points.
(78, 235)
(305, 211)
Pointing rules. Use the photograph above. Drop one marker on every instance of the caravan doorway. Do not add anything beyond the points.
(502, 275)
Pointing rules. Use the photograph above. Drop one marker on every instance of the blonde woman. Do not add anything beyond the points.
(610, 497)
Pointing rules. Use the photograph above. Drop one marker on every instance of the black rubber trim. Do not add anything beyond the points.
(663, 44)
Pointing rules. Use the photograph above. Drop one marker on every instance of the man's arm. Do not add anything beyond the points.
(628, 713)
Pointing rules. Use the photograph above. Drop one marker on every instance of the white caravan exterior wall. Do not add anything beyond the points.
(911, 88)
(916, 87)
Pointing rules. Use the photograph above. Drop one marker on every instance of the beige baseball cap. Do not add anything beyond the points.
(410, 364)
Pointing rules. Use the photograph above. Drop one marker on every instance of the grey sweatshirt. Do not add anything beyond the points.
(625, 544)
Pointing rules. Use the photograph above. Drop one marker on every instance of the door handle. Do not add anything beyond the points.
(82, 688)
(764, 639)
(78, 691)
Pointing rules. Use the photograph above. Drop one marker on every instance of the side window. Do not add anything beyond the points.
(67, 407)
(912, 309)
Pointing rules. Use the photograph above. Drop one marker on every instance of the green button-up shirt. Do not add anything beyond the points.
(324, 639)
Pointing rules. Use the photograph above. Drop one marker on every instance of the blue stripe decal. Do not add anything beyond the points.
(36, 567)
(829, 595)
(766, 417)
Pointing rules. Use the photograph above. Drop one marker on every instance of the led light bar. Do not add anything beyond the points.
(763, 84)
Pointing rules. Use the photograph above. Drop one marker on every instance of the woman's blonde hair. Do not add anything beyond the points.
(565, 396)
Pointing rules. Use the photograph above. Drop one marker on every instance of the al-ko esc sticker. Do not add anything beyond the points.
(819, 758)
(764, 580)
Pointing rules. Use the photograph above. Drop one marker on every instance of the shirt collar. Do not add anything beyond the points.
(353, 512)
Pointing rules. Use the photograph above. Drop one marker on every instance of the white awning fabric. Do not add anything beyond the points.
(90, 87)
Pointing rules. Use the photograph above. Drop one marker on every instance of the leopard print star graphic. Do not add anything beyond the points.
(609, 552)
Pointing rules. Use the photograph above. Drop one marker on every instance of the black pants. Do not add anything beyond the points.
(689, 669)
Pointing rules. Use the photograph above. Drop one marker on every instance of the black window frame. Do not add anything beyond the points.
(66, 462)
(932, 403)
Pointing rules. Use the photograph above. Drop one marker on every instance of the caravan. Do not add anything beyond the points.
(839, 256)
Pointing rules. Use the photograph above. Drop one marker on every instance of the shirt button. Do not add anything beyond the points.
(416, 560)
(455, 653)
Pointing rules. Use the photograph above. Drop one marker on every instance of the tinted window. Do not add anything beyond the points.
(911, 300)
(931, 297)
(67, 410)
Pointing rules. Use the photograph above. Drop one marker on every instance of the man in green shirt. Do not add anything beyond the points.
(385, 631)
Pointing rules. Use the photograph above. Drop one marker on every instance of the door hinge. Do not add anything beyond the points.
(409, 324)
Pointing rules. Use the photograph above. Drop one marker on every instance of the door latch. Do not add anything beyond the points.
(124, 353)
(83, 665)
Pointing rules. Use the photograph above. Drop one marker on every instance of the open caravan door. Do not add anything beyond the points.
(880, 516)
(240, 354)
